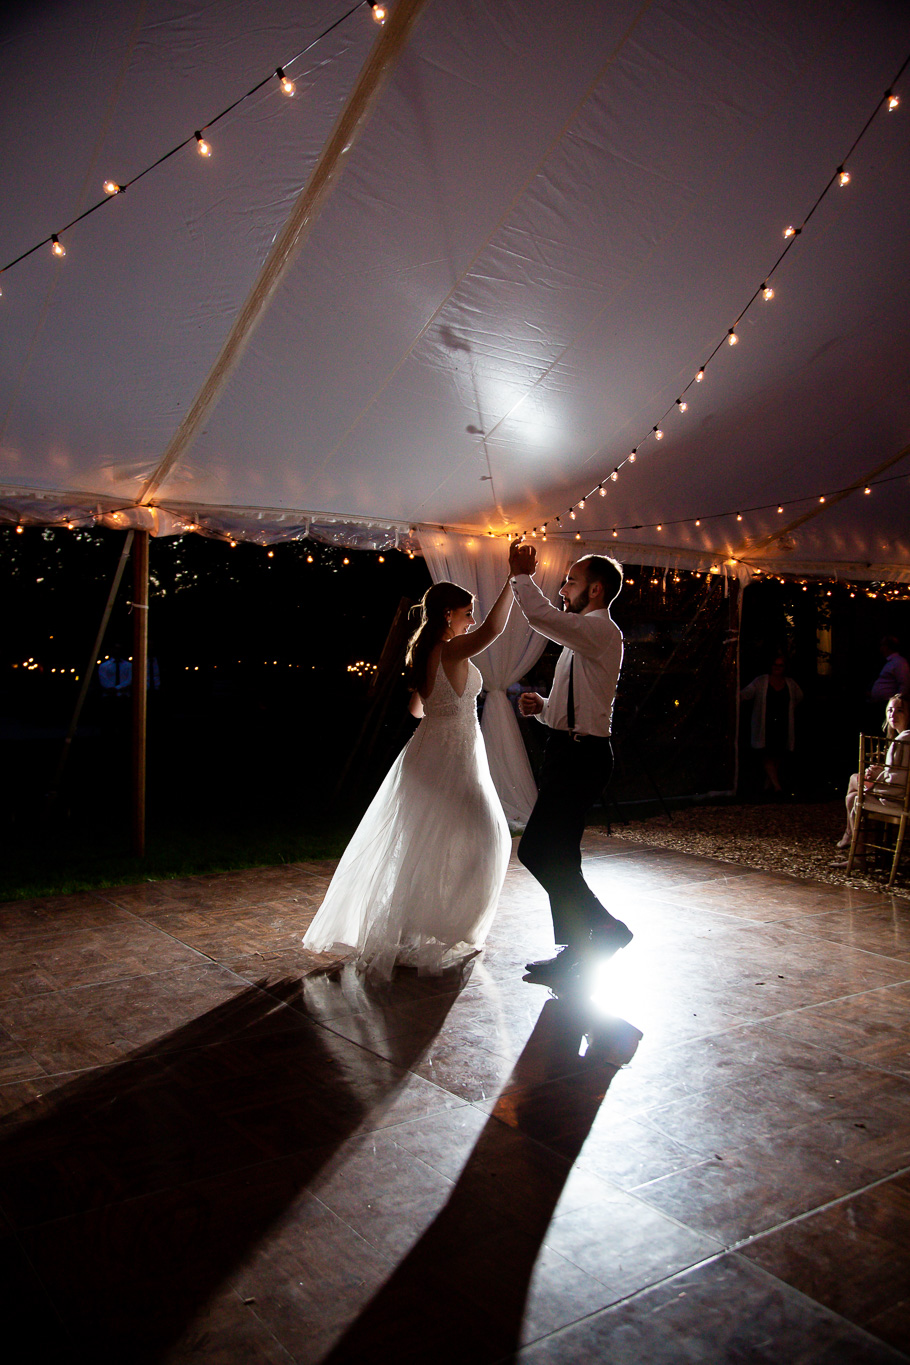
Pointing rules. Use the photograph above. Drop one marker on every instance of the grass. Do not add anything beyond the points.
(55, 861)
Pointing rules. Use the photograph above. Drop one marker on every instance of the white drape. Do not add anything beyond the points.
(480, 564)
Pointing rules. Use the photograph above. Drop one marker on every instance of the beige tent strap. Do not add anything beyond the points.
(752, 547)
(311, 200)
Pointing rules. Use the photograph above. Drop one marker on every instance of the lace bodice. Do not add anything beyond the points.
(445, 701)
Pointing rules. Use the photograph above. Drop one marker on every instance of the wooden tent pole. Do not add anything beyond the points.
(140, 684)
(89, 672)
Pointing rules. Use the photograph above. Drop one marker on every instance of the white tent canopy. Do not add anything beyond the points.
(549, 218)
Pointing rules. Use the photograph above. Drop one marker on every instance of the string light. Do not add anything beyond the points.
(732, 338)
(57, 246)
(843, 177)
(767, 293)
(572, 513)
(284, 81)
(739, 516)
(614, 477)
(202, 147)
(581, 505)
(867, 489)
(893, 101)
(682, 404)
(700, 376)
(791, 231)
(658, 434)
(602, 491)
(111, 187)
(633, 456)
(380, 13)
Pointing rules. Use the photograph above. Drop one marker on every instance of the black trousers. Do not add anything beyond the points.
(573, 775)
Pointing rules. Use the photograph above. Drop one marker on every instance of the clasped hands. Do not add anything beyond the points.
(522, 557)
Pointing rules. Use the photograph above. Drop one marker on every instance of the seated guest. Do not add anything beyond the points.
(886, 782)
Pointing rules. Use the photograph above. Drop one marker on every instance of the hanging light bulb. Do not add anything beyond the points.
(202, 147)
(578, 535)
(893, 101)
(767, 293)
(791, 231)
(633, 455)
(111, 187)
(284, 81)
(380, 12)
(867, 489)
(843, 177)
(581, 505)
(682, 404)
(732, 338)
(658, 434)
(572, 513)
(615, 533)
(822, 498)
(780, 509)
(602, 491)
(615, 475)
(700, 376)
(659, 527)
(739, 516)
(57, 246)
(697, 521)
(381, 559)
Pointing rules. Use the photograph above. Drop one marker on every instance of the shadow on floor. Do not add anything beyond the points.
(460, 1292)
(135, 1191)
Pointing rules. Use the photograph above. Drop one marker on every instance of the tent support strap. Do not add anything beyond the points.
(140, 685)
(88, 673)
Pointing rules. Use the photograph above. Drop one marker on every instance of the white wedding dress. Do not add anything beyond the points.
(419, 882)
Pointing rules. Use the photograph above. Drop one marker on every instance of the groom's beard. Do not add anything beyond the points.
(580, 602)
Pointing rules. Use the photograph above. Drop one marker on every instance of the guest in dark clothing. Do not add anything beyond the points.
(775, 698)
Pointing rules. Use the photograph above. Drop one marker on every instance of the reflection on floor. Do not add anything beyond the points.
(209, 1154)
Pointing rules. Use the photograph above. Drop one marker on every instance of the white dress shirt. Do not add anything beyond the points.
(596, 642)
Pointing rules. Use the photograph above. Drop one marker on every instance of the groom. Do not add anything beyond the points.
(578, 760)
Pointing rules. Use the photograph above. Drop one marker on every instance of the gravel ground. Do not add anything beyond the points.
(793, 838)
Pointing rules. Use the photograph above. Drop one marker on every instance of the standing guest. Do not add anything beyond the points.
(895, 674)
(578, 761)
(775, 698)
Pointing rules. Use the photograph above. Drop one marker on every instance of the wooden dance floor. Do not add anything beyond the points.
(207, 1155)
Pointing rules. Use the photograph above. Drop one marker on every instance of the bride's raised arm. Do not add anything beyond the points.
(476, 641)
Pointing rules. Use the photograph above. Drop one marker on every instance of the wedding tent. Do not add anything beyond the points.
(481, 254)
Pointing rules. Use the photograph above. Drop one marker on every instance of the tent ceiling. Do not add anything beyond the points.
(552, 216)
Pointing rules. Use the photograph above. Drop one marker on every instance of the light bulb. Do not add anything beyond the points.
(658, 434)
(615, 475)
(682, 404)
(791, 231)
(739, 516)
(572, 513)
(202, 147)
(767, 293)
(578, 535)
(867, 490)
(780, 509)
(271, 554)
(632, 457)
(615, 533)
(382, 559)
(581, 505)
(380, 13)
(660, 528)
(822, 498)
(700, 376)
(697, 521)
(111, 187)
(732, 338)
(285, 82)
(893, 102)
(309, 559)
(57, 246)
(843, 177)
(602, 491)
(19, 529)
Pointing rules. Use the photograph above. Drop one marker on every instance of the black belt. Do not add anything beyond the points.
(580, 738)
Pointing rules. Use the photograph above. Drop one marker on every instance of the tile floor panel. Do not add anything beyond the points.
(211, 1149)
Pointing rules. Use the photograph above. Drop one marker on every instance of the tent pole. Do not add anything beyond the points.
(88, 673)
(140, 684)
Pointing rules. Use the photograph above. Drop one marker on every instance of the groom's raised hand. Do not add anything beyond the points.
(522, 558)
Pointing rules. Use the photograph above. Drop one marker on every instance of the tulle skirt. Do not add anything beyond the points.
(419, 882)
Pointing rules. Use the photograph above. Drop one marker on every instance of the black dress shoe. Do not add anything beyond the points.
(546, 961)
(607, 939)
(561, 971)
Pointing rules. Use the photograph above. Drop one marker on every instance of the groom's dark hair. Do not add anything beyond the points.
(606, 571)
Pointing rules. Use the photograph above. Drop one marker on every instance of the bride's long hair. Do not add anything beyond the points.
(431, 612)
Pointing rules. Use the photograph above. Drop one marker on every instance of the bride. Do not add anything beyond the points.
(419, 882)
